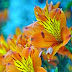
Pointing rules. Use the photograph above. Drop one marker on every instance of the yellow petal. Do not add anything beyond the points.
(59, 14)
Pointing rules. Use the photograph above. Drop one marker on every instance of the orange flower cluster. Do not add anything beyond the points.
(21, 53)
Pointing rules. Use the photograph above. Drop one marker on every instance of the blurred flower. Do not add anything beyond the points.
(3, 15)
(63, 51)
(67, 14)
(70, 68)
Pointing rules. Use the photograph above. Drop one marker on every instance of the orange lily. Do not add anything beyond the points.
(36, 26)
(27, 60)
(54, 35)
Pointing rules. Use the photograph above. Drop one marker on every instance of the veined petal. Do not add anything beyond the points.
(59, 15)
(26, 52)
(12, 44)
(3, 50)
(2, 41)
(42, 39)
(21, 40)
(24, 65)
(19, 48)
(50, 24)
(33, 52)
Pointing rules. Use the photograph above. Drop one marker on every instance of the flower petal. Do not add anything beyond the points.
(65, 35)
(11, 68)
(40, 69)
(42, 39)
(33, 28)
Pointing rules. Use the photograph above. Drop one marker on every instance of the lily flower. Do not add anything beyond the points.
(27, 61)
(54, 35)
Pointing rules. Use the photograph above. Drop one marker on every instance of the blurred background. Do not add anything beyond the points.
(20, 13)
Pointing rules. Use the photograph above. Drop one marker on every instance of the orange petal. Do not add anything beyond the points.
(19, 48)
(33, 28)
(7, 58)
(21, 40)
(26, 52)
(33, 52)
(2, 67)
(35, 58)
(11, 68)
(38, 10)
(16, 56)
(42, 39)
(56, 6)
(55, 49)
(40, 69)
(12, 44)
(65, 35)
(64, 51)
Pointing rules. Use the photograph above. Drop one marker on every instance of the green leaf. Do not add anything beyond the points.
(56, 70)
